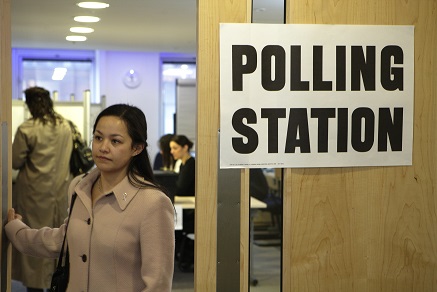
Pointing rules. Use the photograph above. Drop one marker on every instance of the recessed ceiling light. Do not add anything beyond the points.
(77, 29)
(59, 73)
(86, 19)
(76, 38)
(93, 5)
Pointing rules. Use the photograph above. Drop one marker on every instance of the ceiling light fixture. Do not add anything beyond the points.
(76, 38)
(81, 29)
(86, 19)
(59, 73)
(93, 5)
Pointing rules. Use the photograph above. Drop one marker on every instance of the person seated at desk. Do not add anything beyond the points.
(258, 186)
(180, 147)
(164, 159)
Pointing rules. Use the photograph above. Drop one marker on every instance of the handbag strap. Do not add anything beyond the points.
(73, 199)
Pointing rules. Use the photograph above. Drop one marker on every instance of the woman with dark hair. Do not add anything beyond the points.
(164, 160)
(180, 147)
(121, 227)
(40, 153)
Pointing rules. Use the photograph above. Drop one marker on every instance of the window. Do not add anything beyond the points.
(66, 74)
(171, 72)
(67, 80)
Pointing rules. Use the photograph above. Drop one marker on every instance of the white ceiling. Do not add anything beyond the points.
(129, 25)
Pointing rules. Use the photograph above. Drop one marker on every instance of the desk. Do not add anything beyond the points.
(185, 202)
(189, 202)
(182, 203)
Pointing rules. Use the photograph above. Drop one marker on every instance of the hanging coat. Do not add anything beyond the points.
(41, 154)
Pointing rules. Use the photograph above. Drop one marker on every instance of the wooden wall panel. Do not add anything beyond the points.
(210, 14)
(244, 231)
(368, 228)
(5, 135)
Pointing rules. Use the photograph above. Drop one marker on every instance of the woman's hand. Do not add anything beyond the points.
(12, 215)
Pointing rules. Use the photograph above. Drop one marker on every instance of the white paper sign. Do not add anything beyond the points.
(316, 95)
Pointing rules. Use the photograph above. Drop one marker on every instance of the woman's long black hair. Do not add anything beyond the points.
(136, 125)
(168, 161)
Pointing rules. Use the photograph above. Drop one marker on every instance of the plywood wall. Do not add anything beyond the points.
(373, 228)
(5, 135)
(210, 14)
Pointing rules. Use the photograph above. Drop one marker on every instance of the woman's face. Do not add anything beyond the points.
(178, 151)
(112, 145)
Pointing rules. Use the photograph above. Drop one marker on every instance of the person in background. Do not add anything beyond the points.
(180, 147)
(163, 159)
(121, 227)
(40, 153)
(258, 186)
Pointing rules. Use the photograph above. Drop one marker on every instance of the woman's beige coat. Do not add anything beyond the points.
(41, 153)
(125, 242)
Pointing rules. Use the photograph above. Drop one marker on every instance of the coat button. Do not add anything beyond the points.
(84, 258)
(88, 221)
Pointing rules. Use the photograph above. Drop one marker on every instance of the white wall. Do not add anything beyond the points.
(112, 66)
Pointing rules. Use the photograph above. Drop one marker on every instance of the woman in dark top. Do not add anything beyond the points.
(180, 147)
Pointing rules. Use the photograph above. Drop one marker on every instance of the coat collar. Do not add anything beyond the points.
(124, 191)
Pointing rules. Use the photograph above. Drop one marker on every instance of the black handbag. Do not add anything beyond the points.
(81, 159)
(61, 275)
